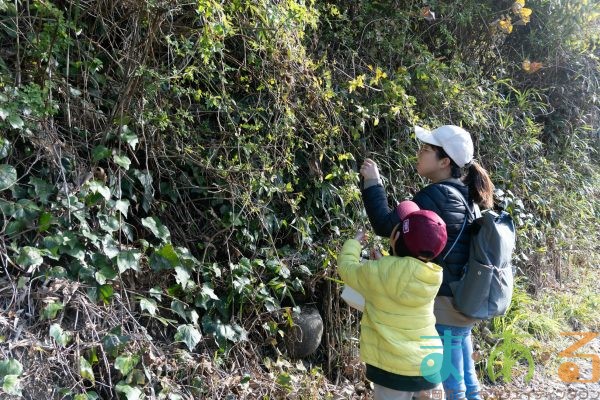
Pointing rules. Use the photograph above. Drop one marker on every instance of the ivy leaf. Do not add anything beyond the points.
(146, 180)
(122, 160)
(100, 153)
(4, 148)
(15, 121)
(206, 294)
(156, 292)
(231, 332)
(179, 307)
(359, 82)
(4, 113)
(129, 137)
(62, 338)
(157, 228)
(10, 367)
(85, 370)
(130, 392)
(284, 379)
(87, 396)
(30, 258)
(105, 293)
(189, 335)
(128, 259)
(43, 190)
(114, 341)
(148, 305)
(99, 187)
(109, 245)
(44, 222)
(182, 275)
(50, 311)
(209, 292)
(164, 258)
(304, 270)
(8, 176)
(122, 206)
(12, 385)
(126, 363)
(106, 273)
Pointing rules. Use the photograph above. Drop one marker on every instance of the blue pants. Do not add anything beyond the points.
(466, 384)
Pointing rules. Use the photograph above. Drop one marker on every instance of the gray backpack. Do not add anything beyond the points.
(486, 287)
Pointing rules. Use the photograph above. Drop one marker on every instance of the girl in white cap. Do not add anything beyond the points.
(446, 159)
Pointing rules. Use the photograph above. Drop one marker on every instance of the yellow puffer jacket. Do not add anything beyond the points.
(399, 293)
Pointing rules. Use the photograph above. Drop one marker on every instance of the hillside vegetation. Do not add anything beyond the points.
(176, 178)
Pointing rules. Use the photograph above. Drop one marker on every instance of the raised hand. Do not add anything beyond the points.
(369, 169)
(361, 236)
(375, 254)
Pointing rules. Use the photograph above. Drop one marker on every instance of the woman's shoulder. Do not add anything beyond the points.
(433, 196)
(441, 191)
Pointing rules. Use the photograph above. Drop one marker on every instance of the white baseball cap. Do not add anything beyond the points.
(455, 141)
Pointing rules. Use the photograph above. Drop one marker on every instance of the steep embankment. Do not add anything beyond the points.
(176, 176)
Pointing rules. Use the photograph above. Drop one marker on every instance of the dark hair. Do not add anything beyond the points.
(400, 249)
(481, 188)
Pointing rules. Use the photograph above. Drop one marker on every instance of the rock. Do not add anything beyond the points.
(304, 337)
(575, 324)
(360, 388)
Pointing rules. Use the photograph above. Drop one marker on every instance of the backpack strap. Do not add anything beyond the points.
(475, 211)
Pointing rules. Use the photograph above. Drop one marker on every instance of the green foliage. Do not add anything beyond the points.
(130, 392)
(198, 161)
(85, 370)
(51, 310)
(8, 176)
(125, 364)
(61, 337)
(189, 335)
(10, 371)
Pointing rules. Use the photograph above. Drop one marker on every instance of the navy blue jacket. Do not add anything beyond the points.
(444, 202)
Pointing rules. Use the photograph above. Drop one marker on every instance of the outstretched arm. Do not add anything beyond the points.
(382, 218)
(356, 274)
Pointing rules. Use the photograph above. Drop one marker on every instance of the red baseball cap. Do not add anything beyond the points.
(423, 232)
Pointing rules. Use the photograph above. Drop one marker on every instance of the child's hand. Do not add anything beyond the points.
(369, 169)
(360, 236)
(375, 254)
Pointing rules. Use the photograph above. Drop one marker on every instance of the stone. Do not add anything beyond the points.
(304, 337)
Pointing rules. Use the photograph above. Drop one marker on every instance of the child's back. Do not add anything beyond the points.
(398, 326)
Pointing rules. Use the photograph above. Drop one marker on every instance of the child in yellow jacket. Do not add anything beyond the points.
(398, 338)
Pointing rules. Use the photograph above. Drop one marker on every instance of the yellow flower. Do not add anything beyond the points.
(379, 75)
(359, 82)
(531, 67)
(525, 14)
(505, 25)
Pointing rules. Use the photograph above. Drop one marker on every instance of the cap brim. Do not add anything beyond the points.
(426, 136)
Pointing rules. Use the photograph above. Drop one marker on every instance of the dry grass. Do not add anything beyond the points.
(248, 370)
